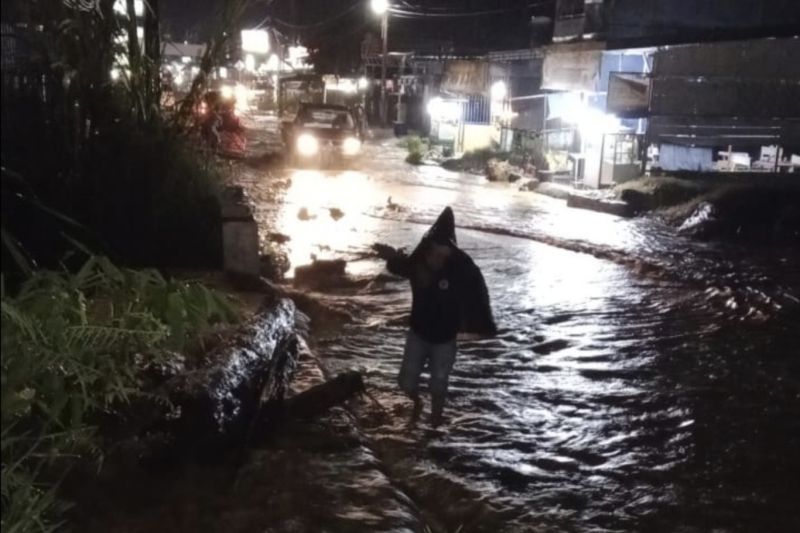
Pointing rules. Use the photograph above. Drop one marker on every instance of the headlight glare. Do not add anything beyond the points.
(307, 145)
(351, 146)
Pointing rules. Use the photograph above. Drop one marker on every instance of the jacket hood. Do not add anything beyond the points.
(443, 230)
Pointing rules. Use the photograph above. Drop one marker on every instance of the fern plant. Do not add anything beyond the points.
(73, 345)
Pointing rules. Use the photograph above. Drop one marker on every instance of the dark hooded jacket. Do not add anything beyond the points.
(453, 300)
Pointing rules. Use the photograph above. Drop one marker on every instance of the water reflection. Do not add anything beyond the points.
(323, 215)
(610, 401)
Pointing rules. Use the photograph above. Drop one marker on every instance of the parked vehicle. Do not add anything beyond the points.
(322, 134)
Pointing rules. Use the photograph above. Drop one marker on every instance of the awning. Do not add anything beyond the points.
(466, 77)
(628, 94)
(572, 67)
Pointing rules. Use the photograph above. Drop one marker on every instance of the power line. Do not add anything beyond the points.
(422, 14)
(318, 23)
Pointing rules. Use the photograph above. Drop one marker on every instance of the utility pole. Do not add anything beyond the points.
(385, 46)
(381, 8)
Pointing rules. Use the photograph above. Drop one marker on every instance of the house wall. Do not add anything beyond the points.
(659, 21)
(474, 137)
(715, 94)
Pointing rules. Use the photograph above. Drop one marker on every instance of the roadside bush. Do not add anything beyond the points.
(417, 147)
(150, 198)
(414, 158)
(73, 347)
(144, 196)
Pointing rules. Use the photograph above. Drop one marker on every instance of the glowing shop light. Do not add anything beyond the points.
(255, 41)
(499, 90)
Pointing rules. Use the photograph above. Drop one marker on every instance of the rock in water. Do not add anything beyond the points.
(529, 185)
(703, 220)
(336, 213)
(497, 170)
(304, 215)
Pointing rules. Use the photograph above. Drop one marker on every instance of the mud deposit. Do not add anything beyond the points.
(641, 380)
(299, 477)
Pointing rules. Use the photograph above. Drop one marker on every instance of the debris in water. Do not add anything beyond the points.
(274, 265)
(544, 348)
(557, 319)
(279, 238)
(303, 214)
(322, 272)
(391, 206)
(320, 398)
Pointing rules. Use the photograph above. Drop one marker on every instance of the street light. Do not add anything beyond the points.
(381, 8)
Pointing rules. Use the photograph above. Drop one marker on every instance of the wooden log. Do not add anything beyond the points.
(219, 400)
(320, 398)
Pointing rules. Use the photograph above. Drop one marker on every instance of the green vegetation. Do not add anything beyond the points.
(91, 162)
(73, 347)
(98, 148)
(417, 148)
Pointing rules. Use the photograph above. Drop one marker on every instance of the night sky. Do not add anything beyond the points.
(337, 27)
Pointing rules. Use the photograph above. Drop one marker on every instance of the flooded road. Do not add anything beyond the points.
(639, 381)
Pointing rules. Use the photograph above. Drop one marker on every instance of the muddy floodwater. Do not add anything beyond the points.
(641, 381)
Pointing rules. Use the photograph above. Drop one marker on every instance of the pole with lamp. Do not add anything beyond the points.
(381, 8)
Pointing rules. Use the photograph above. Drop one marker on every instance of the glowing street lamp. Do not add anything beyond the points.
(379, 7)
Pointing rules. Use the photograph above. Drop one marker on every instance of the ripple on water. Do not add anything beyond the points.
(614, 399)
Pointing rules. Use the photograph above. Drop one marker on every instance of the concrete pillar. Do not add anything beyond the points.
(240, 244)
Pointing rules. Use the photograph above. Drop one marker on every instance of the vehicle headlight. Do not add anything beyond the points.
(351, 146)
(307, 145)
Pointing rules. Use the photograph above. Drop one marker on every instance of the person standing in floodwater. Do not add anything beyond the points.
(449, 296)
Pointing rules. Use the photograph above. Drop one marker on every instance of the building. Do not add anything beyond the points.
(693, 83)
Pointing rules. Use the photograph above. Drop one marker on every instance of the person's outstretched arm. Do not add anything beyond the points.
(397, 262)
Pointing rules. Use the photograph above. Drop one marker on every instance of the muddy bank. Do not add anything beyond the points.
(757, 208)
(302, 476)
(759, 211)
(760, 214)
(273, 457)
